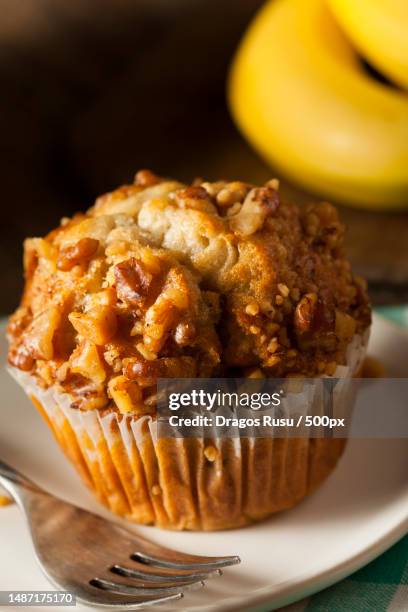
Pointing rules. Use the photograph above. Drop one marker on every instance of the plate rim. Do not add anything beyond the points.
(322, 580)
(273, 596)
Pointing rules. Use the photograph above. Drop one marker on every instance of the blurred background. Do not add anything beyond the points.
(92, 90)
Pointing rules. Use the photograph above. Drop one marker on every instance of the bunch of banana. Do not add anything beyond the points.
(300, 93)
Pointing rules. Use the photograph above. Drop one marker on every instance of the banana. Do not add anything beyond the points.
(299, 93)
(379, 29)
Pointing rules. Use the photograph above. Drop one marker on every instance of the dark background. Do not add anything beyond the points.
(92, 90)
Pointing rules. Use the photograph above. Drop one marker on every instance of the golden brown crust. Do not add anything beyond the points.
(165, 279)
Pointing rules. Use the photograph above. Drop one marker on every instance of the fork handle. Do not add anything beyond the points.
(12, 480)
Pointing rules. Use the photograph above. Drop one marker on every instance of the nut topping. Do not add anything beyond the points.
(146, 178)
(260, 203)
(305, 313)
(314, 322)
(195, 197)
(132, 281)
(98, 325)
(77, 253)
(161, 279)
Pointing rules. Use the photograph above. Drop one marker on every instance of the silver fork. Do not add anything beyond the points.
(100, 562)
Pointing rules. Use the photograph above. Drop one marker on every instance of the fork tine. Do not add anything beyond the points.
(150, 553)
(127, 589)
(209, 564)
(128, 572)
(94, 543)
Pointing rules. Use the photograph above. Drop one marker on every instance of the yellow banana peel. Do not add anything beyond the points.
(299, 93)
(379, 29)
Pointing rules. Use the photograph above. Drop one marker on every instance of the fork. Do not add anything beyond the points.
(101, 563)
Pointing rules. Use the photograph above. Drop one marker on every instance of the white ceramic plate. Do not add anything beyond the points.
(359, 512)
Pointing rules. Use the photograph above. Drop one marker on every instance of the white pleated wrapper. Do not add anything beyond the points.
(177, 483)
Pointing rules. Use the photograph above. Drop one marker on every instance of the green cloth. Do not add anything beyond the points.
(396, 314)
(380, 586)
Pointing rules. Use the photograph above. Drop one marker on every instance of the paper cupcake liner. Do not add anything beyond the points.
(177, 483)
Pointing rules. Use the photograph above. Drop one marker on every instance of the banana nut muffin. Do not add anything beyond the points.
(161, 279)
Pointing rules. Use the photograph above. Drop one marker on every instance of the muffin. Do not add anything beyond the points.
(160, 280)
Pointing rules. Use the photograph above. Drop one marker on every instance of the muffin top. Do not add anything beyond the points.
(160, 279)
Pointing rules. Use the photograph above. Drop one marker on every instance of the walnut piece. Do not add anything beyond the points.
(196, 198)
(127, 395)
(85, 360)
(78, 253)
(260, 203)
(165, 314)
(314, 322)
(147, 372)
(39, 336)
(146, 178)
(19, 357)
(305, 313)
(132, 281)
(97, 325)
(232, 193)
